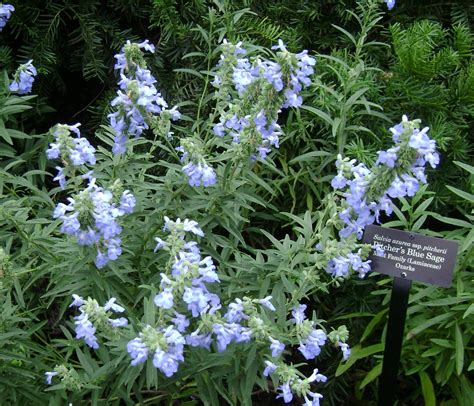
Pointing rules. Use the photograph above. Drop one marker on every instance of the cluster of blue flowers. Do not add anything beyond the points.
(23, 79)
(415, 149)
(341, 265)
(137, 98)
(91, 216)
(367, 193)
(264, 88)
(299, 386)
(189, 272)
(72, 151)
(184, 288)
(6, 11)
(196, 168)
(311, 339)
(93, 317)
(190, 315)
(166, 345)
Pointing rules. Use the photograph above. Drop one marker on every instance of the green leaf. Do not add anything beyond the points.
(190, 71)
(461, 193)
(449, 220)
(321, 114)
(400, 215)
(423, 206)
(4, 133)
(355, 96)
(374, 373)
(467, 167)
(346, 33)
(419, 223)
(335, 125)
(375, 320)
(430, 322)
(459, 349)
(14, 109)
(308, 156)
(357, 353)
(469, 311)
(427, 389)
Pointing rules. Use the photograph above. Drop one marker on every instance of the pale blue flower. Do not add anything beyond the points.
(24, 78)
(298, 314)
(86, 330)
(165, 299)
(346, 351)
(338, 182)
(225, 334)
(70, 224)
(310, 347)
(138, 351)
(111, 305)
(397, 189)
(60, 177)
(388, 157)
(195, 339)
(276, 347)
(235, 312)
(77, 302)
(49, 377)
(317, 377)
(218, 129)
(270, 367)
(181, 322)
(166, 363)
(120, 322)
(196, 298)
(266, 303)
(286, 393)
(192, 227)
(315, 399)
(390, 4)
(101, 259)
(5, 14)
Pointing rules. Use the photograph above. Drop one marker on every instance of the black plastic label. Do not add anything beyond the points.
(412, 256)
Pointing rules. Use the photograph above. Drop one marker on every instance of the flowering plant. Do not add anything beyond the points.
(193, 302)
(190, 309)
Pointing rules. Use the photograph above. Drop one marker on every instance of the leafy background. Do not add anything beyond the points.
(372, 67)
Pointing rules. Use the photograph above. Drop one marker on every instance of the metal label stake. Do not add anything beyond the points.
(406, 256)
(393, 341)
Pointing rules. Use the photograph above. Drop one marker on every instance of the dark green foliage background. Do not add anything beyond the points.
(416, 60)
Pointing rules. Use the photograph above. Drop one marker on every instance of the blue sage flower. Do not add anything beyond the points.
(270, 367)
(286, 393)
(23, 78)
(86, 330)
(346, 351)
(314, 401)
(49, 377)
(165, 344)
(298, 314)
(6, 11)
(138, 350)
(276, 347)
(390, 4)
(138, 99)
(310, 347)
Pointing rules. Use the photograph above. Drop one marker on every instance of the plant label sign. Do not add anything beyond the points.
(412, 256)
